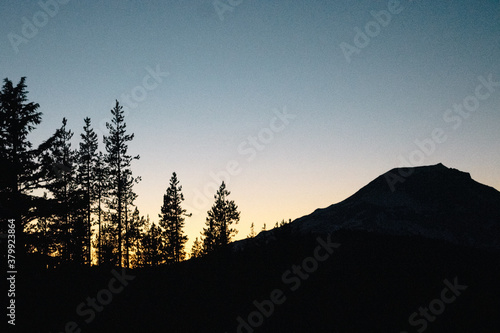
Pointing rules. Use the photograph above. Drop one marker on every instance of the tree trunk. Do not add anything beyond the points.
(126, 237)
(89, 227)
(119, 220)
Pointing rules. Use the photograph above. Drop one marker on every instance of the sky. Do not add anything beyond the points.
(296, 105)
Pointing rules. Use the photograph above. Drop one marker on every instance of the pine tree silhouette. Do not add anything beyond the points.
(120, 174)
(252, 231)
(19, 169)
(172, 221)
(87, 159)
(67, 204)
(197, 248)
(220, 218)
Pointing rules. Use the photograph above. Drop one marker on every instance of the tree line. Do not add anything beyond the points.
(76, 205)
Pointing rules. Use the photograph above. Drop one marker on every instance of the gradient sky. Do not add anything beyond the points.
(227, 79)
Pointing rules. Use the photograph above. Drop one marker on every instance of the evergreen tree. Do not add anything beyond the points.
(101, 190)
(87, 159)
(209, 236)
(172, 221)
(108, 247)
(252, 231)
(197, 249)
(220, 218)
(134, 235)
(19, 170)
(129, 198)
(282, 223)
(120, 174)
(151, 247)
(67, 204)
(41, 236)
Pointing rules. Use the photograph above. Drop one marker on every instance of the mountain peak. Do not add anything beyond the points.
(433, 173)
(431, 201)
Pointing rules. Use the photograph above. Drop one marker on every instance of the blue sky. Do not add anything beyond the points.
(221, 82)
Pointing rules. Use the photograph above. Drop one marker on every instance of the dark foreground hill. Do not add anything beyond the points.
(321, 273)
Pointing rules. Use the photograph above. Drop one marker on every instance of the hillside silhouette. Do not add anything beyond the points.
(395, 252)
(430, 201)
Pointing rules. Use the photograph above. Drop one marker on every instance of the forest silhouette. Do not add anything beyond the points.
(75, 206)
(87, 260)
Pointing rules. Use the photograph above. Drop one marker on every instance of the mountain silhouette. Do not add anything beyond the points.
(429, 201)
(383, 260)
